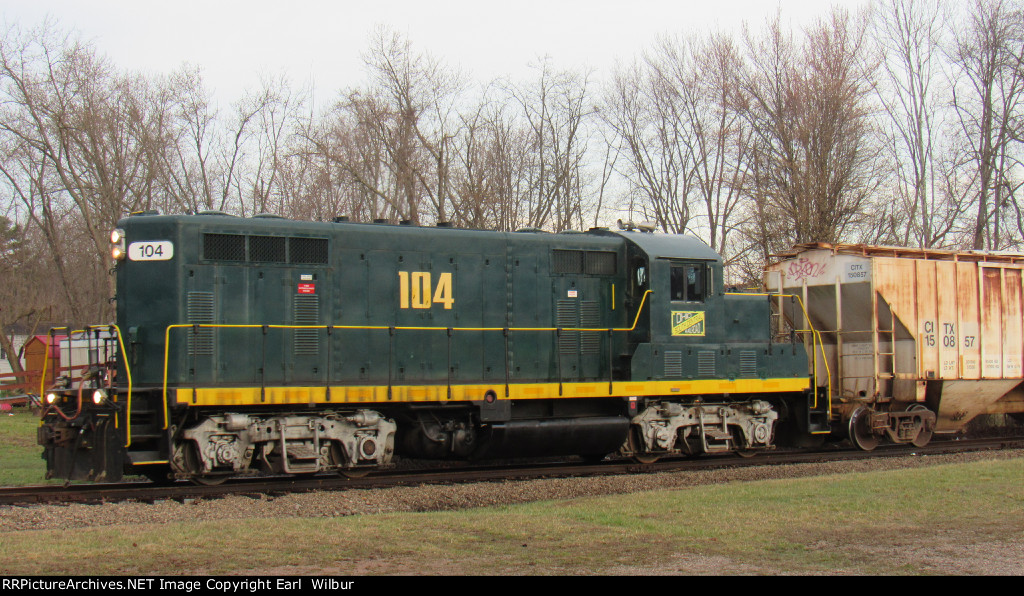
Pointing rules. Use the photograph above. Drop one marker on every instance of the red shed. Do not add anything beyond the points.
(40, 351)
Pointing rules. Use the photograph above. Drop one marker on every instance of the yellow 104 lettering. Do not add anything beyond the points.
(415, 290)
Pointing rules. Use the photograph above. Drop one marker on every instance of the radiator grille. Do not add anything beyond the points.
(591, 262)
(600, 263)
(568, 261)
(307, 250)
(224, 247)
(267, 249)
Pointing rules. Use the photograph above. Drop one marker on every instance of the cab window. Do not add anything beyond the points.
(687, 283)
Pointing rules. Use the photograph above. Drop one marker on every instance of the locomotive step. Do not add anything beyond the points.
(142, 436)
(141, 457)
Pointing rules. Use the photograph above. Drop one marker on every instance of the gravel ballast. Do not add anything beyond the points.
(436, 497)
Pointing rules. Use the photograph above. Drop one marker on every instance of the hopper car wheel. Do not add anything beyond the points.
(746, 453)
(860, 431)
(925, 435)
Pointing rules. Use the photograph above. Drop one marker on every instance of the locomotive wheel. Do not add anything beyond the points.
(194, 462)
(339, 458)
(743, 449)
(209, 480)
(354, 472)
(860, 431)
(925, 435)
(636, 449)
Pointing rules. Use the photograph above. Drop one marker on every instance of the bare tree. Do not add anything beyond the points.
(814, 155)
(413, 107)
(556, 109)
(497, 167)
(988, 97)
(722, 137)
(676, 115)
(77, 151)
(910, 37)
(270, 118)
(645, 109)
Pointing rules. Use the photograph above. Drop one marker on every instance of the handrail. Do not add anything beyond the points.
(124, 359)
(167, 334)
(815, 338)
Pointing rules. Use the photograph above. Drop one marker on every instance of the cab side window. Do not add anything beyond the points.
(687, 283)
(639, 277)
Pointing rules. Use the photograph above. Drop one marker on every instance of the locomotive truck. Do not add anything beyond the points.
(265, 345)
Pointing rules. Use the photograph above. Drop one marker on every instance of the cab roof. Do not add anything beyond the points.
(671, 246)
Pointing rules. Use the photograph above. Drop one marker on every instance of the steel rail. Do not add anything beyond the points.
(459, 472)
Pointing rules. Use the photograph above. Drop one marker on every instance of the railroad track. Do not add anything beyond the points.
(145, 491)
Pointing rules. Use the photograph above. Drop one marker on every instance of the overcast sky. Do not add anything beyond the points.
(320, 41)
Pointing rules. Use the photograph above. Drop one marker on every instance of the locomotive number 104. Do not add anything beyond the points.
(416, 290)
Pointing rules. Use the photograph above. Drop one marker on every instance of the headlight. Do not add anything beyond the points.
(51, 397)
(117, 251)
(99, 396)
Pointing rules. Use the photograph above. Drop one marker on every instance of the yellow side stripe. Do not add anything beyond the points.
(378, 394)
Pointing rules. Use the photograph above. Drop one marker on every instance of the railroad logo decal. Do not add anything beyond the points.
(688, 323)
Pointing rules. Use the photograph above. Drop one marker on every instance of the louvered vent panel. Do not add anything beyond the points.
(200, 311)
(567, 316)
(748, 363)
(590, 317)
(307, 312)
(673, 364)
(706, 364)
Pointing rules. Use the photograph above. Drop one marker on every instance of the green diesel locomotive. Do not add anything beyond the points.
(249, 345)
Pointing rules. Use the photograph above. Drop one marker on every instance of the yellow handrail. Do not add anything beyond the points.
(167, 334)
(815, 338)
(124, 358)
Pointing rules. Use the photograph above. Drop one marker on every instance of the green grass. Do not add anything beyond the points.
(21, 461)
(937, 519)
(867, 523)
